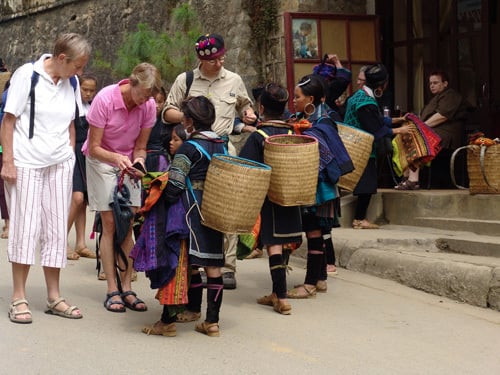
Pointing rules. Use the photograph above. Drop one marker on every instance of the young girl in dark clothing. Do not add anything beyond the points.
(206, 246)
(279, 225)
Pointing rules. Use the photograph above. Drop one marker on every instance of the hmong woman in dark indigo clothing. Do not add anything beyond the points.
(279, 225)
(334, 161)
(363, 112)
(206, 246)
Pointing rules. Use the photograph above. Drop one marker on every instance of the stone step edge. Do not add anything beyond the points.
(457, 219)
(476, 285)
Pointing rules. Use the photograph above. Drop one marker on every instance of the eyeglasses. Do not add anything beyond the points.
(214, 61)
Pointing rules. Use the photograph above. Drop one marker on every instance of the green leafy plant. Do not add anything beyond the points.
(172, 52)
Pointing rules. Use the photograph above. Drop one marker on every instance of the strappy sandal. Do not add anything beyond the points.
(407, 185)
(321, 286)
(14, 313)
(256, 253)
(68, 313)
(72, 255)
(85, 252)
(205, 327)
(133, 305)
(296, 294)
(363, 224)
(109, 302)
(161, 329)
(278, 305)
(188, 316)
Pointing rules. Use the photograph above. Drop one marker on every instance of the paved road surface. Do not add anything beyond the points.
(363, 325)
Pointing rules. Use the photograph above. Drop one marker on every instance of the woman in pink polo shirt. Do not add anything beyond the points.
(121, 117)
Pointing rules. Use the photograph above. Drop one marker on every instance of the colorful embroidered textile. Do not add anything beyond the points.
(416, 148)
(176, 291)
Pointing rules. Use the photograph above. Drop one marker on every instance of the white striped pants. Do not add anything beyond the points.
(39, 206)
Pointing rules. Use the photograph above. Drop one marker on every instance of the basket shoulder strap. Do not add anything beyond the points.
(265, 135)
(200, 148)
(262, 133)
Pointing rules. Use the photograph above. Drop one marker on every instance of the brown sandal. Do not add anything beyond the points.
(321, 286)
(256, 253)
(206, 327)
(296, 293)
(72, 255)
(188, 316)
(85, 252)
(280, 306)
(161, 329)
(363, 224)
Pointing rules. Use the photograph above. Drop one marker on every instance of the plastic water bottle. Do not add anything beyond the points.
(387, 112)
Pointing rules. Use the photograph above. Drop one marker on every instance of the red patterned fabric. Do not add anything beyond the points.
(418, 147)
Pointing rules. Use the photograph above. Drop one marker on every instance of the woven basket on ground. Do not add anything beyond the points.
(483, 168)
(294, 160)
(359, 146)
(233, 194)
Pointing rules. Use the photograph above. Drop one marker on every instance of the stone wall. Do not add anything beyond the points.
(28, 28)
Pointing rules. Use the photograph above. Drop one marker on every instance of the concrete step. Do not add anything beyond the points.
(445, 242)
(453, 210)
(482, 227)
(421, 258)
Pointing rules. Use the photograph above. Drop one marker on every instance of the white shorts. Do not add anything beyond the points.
(39, 204)
(102, 179)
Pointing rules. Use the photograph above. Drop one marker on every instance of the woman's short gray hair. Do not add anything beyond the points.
(147, 76)
(72, 45)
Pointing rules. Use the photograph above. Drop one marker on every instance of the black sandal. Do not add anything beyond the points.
(133, 305)
(108, 302)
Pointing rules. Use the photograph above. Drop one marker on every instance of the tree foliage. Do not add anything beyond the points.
(172, 52)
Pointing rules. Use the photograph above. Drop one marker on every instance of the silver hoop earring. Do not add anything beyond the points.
(309, 113)
(378, 92)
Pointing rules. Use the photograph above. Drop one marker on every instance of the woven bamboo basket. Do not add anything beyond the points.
(294, 160)
(483, 168)
(233, 194)
(359, 146)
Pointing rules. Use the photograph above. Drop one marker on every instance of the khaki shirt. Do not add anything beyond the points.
(227, 92)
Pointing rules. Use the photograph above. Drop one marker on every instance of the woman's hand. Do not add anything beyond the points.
(9, 173)
(122, 162)
(403, 129)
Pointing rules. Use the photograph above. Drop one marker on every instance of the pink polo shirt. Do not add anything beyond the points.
(121, 127)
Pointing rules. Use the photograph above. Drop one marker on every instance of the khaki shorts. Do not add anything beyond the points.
(102, 179)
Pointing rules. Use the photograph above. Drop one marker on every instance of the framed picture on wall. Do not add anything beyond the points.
(305, 38)
(309, 36)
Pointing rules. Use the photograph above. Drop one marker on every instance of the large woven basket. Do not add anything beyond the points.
(359, 146)
(233, 194)
(483, 168)
(294, 160)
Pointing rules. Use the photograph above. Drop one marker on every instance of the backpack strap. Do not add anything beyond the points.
(34, 81)
(189, 82)
(72, 80)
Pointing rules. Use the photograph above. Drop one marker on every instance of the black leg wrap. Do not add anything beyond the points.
(195, 293)
(329, 249)
(215, 290)
(168, 317)
(315, 260)
(278, 275)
